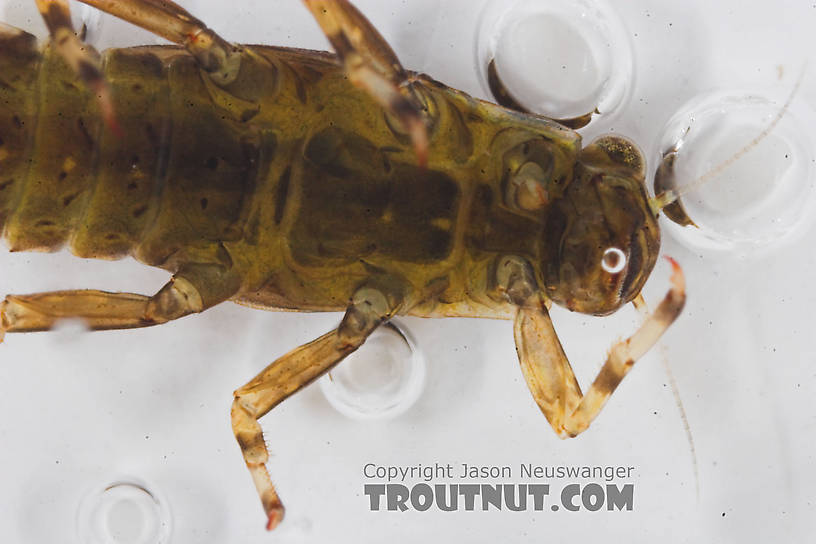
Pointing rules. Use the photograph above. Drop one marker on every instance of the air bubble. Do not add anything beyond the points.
(124, 512)
(382, 379)
(764, 196)
(559, 59)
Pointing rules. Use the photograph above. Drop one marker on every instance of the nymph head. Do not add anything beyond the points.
(601, 238)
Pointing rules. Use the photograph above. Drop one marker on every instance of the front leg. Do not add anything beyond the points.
(545, 366)
(368, 309)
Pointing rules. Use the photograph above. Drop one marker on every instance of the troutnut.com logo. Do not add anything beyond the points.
(479, 487)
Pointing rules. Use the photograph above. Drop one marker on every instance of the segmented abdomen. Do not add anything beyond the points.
(177, 173)
(290, 177)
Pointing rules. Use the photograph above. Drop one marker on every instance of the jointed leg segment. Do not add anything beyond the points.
(372, 65)
(165, 18)
(83, 60)
(367, 57)
(369, 308)
(548, 372)
(193, 290)
(98, 309)
(170, 21)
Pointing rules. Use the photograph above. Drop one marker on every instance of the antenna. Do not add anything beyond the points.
(660, 201)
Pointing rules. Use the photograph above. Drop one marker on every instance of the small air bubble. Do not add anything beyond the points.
(381, 380)
(756, 200)
(124, 511)
(584, 77)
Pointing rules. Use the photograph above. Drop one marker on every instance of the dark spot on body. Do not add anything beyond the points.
(151, 134)
(282, 194)
(17, 121)
(89, 72)
(138, 212)
(132, 186)
(402, 108)
(212, 163)
(44, 223)
(484, 195)
(439, 244)
(300, 90)
(204, 203)
(137, 88)
(62, 175)
(251, 150)
(247, 115)
(6, 184)
(85, 132)
(68, 199)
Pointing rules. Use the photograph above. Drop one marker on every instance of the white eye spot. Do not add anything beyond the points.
(614, 260)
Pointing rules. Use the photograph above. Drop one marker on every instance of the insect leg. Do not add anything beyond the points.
(547, 371)
(190, 291)
(83, 59)
(167, 19)
(368, 309)
(372, 65)
(544, 364)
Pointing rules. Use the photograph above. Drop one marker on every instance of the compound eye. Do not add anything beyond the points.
(614, 260)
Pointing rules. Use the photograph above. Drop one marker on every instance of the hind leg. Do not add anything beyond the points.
(190, 291)
(167, 19)
(368, 309)
(83, 59)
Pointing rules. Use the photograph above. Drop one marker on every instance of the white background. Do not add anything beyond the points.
(78, 409)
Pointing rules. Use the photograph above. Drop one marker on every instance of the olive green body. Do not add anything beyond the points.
(290, 176)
